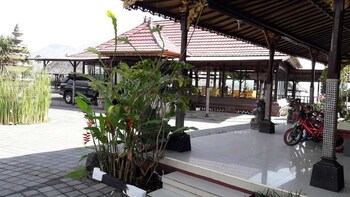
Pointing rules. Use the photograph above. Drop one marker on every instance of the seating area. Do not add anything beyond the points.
(230, 104)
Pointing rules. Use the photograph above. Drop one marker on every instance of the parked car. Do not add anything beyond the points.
(81, 85)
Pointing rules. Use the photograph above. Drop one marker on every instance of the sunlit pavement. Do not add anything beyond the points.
(34, 159)
(261, 158)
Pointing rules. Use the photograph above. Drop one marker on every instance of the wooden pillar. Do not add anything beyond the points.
(271, 42)
(313, 54)
(207, 93)
(83, 68)
(214, 85)
(74, 64)
(266, 126)
(294, 89)
(328, 173)
(233, 87)
(286, 86)
(318, 91)
(196, 78)
(223, 83)
(276, 85)
(180, 115)
(258, 82)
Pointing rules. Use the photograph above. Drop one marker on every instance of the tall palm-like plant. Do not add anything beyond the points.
(5, 49)
(131, 135)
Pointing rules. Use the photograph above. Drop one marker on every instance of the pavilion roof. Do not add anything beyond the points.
(204, 46)
(207, 44)
(302, 25)
(143, 42)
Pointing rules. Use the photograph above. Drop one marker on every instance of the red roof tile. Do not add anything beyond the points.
(206, 44)
(144, 42)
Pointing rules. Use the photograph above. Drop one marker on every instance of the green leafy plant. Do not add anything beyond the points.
(131, 135)
(78, 173)
(24, 101)
(343, 89)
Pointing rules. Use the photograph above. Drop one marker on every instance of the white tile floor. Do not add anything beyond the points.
(262, 158)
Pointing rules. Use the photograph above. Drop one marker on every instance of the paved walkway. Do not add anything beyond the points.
(35, 159)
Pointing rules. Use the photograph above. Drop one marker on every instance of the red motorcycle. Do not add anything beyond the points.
(310, 121)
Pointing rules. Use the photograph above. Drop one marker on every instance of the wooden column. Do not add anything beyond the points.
(74, 64)
(276, 85)
(207, 93)
(313, 54)
(214, 85)
(266, 126)
(223, 83)
(196, 78)
(258, 82)
(294, 89)
(271, 42)
(180, 115)
(328, 173)
(83, 68)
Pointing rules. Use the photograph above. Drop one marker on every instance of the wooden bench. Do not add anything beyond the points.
(230, 104)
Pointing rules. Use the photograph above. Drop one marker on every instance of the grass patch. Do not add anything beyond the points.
(78, 173)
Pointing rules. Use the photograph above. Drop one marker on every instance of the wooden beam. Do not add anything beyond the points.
(234, 13)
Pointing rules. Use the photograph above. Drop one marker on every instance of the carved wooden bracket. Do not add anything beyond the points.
(272, 39)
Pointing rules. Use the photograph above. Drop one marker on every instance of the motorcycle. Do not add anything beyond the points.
(310, 121)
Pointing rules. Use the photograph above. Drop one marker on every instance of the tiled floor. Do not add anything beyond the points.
(262, 158)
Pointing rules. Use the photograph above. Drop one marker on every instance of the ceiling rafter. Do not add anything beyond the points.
(236, 14)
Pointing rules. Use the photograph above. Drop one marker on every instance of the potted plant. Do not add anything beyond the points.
(131, 135)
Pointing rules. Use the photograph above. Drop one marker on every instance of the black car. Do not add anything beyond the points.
(81, 86)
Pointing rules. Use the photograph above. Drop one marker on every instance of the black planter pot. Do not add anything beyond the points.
(92, 162)
(114, 182)
(179, 142)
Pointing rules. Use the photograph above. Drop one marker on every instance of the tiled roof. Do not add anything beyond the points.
(84, 54)
(143, 42)
(206, 44)
(202, 43)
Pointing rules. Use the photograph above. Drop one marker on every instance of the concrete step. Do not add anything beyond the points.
(164, 193)
(190, 186)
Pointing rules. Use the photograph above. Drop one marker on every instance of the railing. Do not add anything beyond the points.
(305, 99)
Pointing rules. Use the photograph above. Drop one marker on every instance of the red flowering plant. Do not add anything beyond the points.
(133, 132)
(131, 135)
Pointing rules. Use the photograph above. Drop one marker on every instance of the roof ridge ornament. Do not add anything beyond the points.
(128, 3)
(330, 3)
(196, 11)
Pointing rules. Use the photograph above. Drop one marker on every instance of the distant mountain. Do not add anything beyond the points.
(57, 50)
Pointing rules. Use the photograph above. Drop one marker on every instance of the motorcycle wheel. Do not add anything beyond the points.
(292, 136)
(339, 143)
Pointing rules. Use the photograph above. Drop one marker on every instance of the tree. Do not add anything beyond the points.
(5, 49)
(342, 88)
(242, 77)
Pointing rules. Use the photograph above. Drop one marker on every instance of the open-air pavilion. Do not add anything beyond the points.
(220, 64)
(317, 30)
